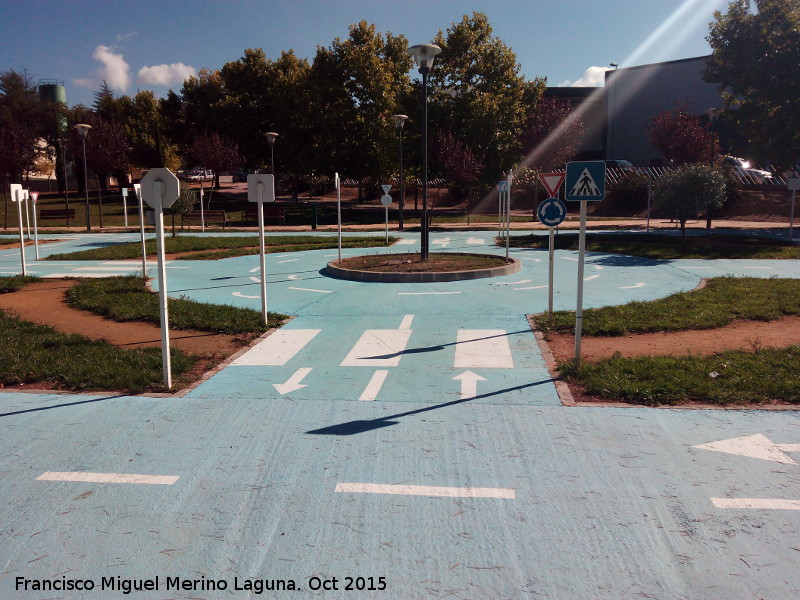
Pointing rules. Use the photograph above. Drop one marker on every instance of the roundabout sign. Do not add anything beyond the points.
(552, 212)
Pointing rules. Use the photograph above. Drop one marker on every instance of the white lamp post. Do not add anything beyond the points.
(271, 137)
(83, 130)
(399, 121)
(423, 55)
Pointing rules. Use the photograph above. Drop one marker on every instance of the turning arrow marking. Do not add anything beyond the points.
(634, 286)
(293, 383)
(469, 384)
(443, 241)
(754, 446)
(241, 295)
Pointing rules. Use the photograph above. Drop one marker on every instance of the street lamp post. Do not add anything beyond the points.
(83, 130)
(63, 144)
(423, 55)
(271, 137)
(399, 121)
(713, 116)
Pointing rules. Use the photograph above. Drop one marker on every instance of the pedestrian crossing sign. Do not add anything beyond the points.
(586, 180)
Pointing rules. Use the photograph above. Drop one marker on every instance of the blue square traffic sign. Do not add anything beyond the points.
(586, 180)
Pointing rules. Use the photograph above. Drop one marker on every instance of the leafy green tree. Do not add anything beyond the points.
(689, 190)
(550, 134)
(755, 56)
(478, 92)
(215, 153)
(357, 84)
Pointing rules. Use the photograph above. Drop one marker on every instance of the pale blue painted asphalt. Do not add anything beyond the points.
(609, 502)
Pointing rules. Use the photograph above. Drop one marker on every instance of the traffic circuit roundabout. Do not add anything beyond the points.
(408, 268)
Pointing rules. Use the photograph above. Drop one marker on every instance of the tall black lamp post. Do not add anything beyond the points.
(83, 131)
(423, 55)
(399, 121)
(271, 137)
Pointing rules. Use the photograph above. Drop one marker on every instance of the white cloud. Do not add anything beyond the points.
(165, 74)
(592, 77)
(114, 71)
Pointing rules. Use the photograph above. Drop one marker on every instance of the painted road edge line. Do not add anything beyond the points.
(426, 490)
(374, 386)
(107, 477)
(758, 503)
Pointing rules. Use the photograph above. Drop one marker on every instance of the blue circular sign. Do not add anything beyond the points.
(552, 212)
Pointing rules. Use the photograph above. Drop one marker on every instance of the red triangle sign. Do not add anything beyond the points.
(552, 181)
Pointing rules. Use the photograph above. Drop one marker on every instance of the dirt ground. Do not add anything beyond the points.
(44, 302)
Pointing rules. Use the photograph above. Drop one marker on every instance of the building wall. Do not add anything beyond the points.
(591, 102)
(635, 95)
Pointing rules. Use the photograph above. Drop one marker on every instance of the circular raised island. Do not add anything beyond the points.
(408, 268)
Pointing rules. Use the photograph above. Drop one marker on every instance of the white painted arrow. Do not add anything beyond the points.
(443, 241)
(293, 383)
(634, 286)
(473, 241)
(754, 446)
(294, 277)
(469, 384)
(241, 295)
(521, 281)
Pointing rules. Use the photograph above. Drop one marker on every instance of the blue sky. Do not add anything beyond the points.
(144, 44)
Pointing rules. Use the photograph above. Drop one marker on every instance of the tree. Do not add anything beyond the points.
(551, 134)
(689, 190)
(754, 59)
(17, 155)
(681, 137)
(215, 153)
(456, 159)
(479, 93)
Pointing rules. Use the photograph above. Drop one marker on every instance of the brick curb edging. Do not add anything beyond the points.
(333, 270)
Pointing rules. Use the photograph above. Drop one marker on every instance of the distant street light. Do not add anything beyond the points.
(83, 131)
(713, 116)
(399, 121)
(271, 137)
(423, 55)
(63, 144)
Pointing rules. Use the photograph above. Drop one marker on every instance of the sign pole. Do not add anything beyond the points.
(338, 183)
(16, 196)
(262, 252)
(551, 264)
(508, 213)
(137, 188)
(579, 305)
(794, 185)
(125, 206)
(26, 195)
(166, 364)
(202, 215)
(35, 197)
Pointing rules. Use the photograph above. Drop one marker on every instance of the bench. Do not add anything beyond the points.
(56, 214)
(207, 215)
(271, 211)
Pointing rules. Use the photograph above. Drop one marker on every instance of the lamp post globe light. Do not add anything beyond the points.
(423, 55)
(83, 130)
(271, 137)
(399, 121)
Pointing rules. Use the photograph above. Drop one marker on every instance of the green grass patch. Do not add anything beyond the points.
(33, 353)
(4, 241)
(15, 283)
(668, 247)
(727, 378)
(722, 301)
(215, 247)
(128, 299)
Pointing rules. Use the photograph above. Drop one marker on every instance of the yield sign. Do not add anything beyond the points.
(34, 196)
(552, 181)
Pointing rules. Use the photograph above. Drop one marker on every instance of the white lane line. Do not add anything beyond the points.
(72, 274)
(531, 287)
(293, 277)
(530, 258)
(483, 349)
(311, 290)
(280, 262)
(767, 268)
(406, 242)
(277, 349)
(116, 268)
(425, 293)
(426, 490)
(634, 286)
(107, 477)
(241, 295)
(757, 503)
(521, 281)
(475, 241)
(406, 322)
(590, 277)
(378, 348)
(370, 392)
(569, 258)
(689, 267)
(598, 267)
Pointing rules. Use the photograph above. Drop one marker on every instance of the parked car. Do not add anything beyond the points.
(745, 169)
(196, 174)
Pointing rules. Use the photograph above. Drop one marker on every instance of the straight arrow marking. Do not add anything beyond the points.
(293, 383)
(754, 446)
(758, 503)
(469, 384)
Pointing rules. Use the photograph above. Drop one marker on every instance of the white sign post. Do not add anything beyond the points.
(35, 197)
(202, 213)
(585, 181)
(125, 206)
(137, 189)
(386, 200)
(338, 183)
(794, 185)
(160, 189)
(260, 189)
(17, 196)
(26, 194)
